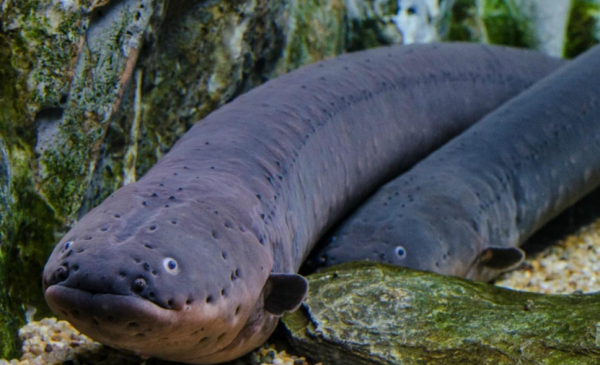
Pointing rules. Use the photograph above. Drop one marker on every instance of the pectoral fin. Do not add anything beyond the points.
(284, 293)
(502, 258)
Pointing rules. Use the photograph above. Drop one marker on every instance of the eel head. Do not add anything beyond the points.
(165, 283)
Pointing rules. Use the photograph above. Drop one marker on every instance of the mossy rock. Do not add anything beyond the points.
(584, 27)
(366, 313)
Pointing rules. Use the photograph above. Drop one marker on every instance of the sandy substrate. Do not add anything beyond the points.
(571, 265)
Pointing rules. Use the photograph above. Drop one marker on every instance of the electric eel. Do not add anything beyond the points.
(466, 208)
(197, 260)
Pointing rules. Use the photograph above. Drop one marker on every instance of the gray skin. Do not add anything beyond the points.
(466, 208)
(196, 261)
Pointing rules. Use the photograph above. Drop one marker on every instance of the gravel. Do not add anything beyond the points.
(571, 265)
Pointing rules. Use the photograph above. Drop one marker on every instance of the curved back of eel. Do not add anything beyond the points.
(196, 261)
(466, 208)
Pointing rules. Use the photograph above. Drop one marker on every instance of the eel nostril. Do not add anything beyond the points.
(61, 274)
(138, 285)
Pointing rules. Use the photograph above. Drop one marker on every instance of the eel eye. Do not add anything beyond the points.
(400, 252)
(67, 245)
(171, 265)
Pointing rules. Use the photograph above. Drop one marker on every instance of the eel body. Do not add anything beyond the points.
(466, 208)
(196, 261)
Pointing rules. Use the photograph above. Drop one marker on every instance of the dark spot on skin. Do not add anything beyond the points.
(122, 274)
(117, 216)
(258, 197)
(224, 255)
(161, 184)
(173, 222)
(138, 285)
(220, 336)
(104, 229)
(237, 273)
(148, 246)
(75, 267)
(61, 274)
(152, 228)
(209, 299)
(189, 301)
(180, 189)
(237, 310)
(144, 203)
(154, 195)
(171, 197)
(166, 205)
(151, 295)
(137, 261)
(223, 292)
(170, 302)
(203, 339)
(146, 266)
(215, 235)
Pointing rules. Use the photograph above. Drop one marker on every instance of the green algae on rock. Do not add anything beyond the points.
(46, 132)
(490, 21)
(365, 313)
(583, 30)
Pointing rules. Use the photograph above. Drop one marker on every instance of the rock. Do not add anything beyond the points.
(366, 313)
(566, 28)
(583, 30)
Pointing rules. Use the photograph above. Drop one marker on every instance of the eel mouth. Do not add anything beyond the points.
(137, 325)
(124, 322)
(107, 317)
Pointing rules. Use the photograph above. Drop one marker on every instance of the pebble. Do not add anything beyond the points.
(572, 265)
